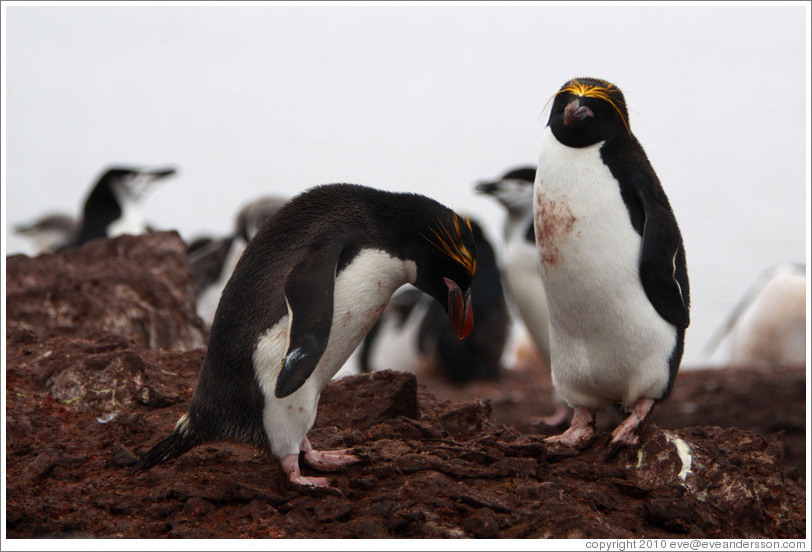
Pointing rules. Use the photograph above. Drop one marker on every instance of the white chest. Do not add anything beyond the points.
(581, 220)
(608, 342)
(131, 222)
(525, 287)
(362, 291)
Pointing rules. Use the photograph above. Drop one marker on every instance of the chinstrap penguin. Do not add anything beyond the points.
(520, 271)
(431, 341)
(306, 290)
(768, 325)
(212, 260)
(49, 233)
(514, 191)
(113, 206)
(612, 263)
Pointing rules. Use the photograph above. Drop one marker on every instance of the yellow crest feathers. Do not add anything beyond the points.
(599, 91)
(449, 241)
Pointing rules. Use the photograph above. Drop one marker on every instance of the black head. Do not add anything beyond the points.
(587, 111)
(445, 253)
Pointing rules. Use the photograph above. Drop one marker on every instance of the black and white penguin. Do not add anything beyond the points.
(430, 341)
(612, 262)
(768, 325)
(113, 206)
(514, 191)
(49, 233)
(306, 290)
(212, 260)
(520, 258)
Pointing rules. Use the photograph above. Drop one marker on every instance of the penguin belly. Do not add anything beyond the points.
(608, 343)
(527, 291)
(362, 290)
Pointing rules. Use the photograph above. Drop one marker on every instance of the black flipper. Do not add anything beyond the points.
(309, 291)
(662, 259)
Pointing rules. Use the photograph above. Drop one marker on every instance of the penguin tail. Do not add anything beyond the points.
(178, 442)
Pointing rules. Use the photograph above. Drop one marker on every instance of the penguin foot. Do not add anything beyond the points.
(303, 481)
(580, 433)
(326, 460)
(329, 460)
(624, 434)
(290, 465)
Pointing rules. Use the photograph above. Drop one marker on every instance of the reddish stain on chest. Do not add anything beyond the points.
(554, 221)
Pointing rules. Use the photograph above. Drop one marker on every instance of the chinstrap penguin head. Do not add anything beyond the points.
(131, 185)
(255, 214)
(587, 111)
(514, 190)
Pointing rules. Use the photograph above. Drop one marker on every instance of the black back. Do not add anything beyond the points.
(101, 207)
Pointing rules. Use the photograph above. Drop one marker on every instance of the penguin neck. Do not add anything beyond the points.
(131, 220)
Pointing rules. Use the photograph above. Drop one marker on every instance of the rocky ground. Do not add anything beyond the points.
(103, 349)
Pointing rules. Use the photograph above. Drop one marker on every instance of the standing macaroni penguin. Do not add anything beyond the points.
(612, 262)
(306, 290)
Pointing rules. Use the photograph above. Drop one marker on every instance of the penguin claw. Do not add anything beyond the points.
(625, 433)
(329, 460)
(563, 443)
(624, 438)
(290, 466)
(302, 481)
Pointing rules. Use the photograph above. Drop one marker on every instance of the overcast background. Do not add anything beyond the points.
(264, 99)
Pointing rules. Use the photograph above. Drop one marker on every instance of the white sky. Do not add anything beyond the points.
(270, 99)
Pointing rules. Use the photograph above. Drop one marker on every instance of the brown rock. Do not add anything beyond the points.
(138, 288)
(466, 464)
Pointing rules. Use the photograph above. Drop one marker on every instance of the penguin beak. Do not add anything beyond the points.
(144, 180)
(459, 309)
(486, 187)
(575, 112)
(158, 175)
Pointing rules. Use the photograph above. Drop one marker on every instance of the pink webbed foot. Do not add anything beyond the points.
(624, 434)
(580, 432)
(290, 465)
(326, 460)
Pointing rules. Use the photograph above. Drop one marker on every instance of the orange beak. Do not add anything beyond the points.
(459, 309)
